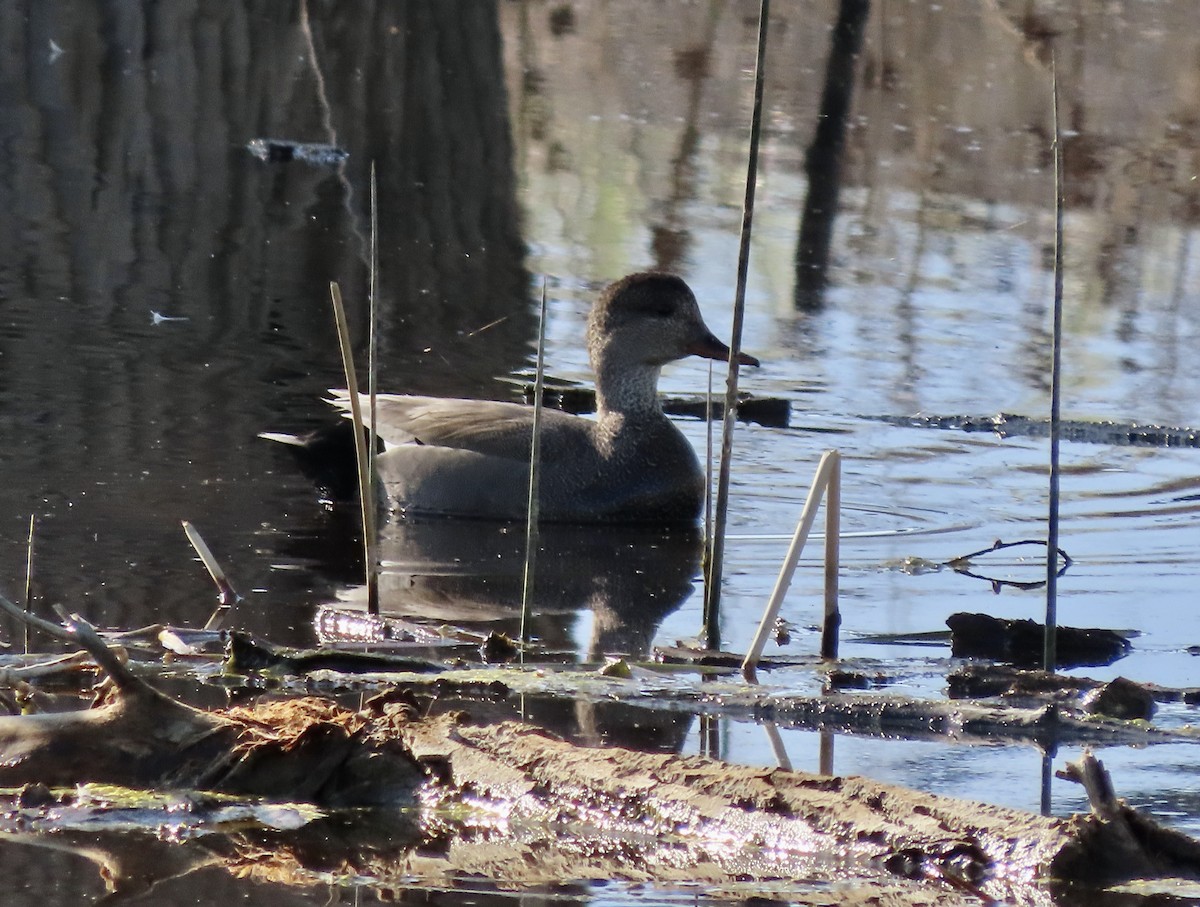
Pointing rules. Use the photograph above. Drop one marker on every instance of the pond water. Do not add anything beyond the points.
(163, 298)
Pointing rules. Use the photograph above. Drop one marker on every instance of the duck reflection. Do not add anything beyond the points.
(471, 574)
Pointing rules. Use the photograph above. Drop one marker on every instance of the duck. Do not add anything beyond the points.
(631, 464)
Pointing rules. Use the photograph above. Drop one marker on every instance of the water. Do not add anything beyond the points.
(528, 144)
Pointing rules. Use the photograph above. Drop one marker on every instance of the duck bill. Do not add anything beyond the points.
(709, 347)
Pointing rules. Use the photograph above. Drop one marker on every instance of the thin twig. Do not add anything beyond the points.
(225, 588)
(716, 565)
(782, 759)
(535, 449)
(1050, 659)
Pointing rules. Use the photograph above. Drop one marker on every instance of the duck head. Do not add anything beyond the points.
(647, 320)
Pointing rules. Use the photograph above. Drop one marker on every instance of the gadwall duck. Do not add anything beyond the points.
(469, 458)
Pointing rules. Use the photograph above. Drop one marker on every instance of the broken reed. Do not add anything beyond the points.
(227, 596)
(827, 484)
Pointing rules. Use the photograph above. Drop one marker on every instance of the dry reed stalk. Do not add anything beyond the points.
(372, 541)
(535, 451)
(28, 581)
(1050, 653)
(716, 564)
(360, 442)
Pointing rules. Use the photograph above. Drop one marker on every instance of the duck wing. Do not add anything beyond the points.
(482, 426)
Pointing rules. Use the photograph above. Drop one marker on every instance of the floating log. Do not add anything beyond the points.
(275, 151)
(773, 412)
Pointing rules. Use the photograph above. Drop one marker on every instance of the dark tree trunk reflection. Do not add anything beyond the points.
(823, 162)
(128, 189)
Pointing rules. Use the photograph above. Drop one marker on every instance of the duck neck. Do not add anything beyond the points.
(629, 391)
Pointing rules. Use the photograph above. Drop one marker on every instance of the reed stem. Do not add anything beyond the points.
(535, 452)
(1050, 654)
(371, 547)
(366, 502)
(712, 622)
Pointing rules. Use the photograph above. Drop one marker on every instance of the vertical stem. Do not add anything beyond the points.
(1047, 801)
(367, 504)
(535, 446)
(1050, 653)
(29, 579)
(712, 622)
(372, 547)
(706, 557)
(833, 528)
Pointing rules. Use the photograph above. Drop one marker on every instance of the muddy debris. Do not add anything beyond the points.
(523, 784)
(1121, 698)
(245, 654)
(1022, 642)
(523, 807)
